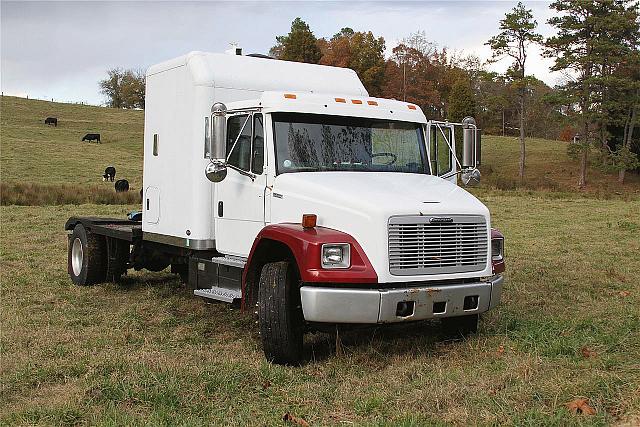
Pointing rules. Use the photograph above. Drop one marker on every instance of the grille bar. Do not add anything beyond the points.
(418, 246)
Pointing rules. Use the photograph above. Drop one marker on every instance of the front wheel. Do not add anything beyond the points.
(87, 257)
(280, 313)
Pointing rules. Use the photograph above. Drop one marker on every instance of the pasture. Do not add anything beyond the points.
(146, 352)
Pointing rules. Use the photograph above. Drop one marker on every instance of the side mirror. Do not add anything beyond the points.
(471, 177)
(216, 170)
(470, 143)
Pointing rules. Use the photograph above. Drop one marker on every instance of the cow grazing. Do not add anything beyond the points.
(91, 137)
(51, 121)
(122, 185)
(109, 174)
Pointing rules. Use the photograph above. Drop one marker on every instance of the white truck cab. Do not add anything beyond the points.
(285, 187)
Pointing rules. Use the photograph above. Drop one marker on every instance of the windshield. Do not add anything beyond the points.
(315, 142)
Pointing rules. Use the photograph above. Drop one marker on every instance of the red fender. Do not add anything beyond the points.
(306, 246)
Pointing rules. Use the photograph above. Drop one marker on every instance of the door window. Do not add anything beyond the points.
(239, 141)
(441, 156)
(257, 162)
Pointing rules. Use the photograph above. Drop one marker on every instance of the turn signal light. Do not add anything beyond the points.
(341, 100)
(290, 96)
(372, 103)
(309, 220)
(411, 107)
(356, 101)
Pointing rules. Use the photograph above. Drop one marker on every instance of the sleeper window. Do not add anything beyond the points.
(239, 141)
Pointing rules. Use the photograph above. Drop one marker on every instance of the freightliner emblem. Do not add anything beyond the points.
(439, 220)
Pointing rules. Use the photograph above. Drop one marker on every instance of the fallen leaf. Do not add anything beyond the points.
(587, 352)
(295, 420)
(266, 385)
(624, 293)
(581, 406)
(500, 351)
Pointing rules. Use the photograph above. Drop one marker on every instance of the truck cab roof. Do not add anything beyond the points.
(333, 104)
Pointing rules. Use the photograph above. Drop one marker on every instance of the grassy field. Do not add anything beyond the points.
(44, 159)
(146, 352)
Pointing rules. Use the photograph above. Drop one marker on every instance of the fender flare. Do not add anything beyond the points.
(305, 244)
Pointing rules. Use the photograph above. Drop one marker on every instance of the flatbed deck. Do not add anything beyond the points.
(122, 229)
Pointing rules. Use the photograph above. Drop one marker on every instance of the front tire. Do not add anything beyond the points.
(461, 326)
(280, 314)
(87, 257)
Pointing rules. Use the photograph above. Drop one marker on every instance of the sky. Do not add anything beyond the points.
(60, 50)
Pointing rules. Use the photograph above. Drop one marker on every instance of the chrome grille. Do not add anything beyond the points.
(421, 245)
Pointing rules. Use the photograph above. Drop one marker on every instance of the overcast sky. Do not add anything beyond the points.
(61, 50)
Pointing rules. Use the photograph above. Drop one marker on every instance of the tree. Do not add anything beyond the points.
(362, 52)
(124, 88)
(299, 45)
(517, 34)
(462, 101)
(593, 38)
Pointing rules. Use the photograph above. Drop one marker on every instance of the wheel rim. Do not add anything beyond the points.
(76, 256)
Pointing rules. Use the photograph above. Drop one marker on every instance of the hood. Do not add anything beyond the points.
(386, 193)
(361, 203)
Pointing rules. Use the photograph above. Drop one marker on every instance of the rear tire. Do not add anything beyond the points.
(87, 257)
(280, 314)
(461, 326)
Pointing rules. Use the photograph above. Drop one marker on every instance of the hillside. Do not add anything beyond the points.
(50, 165)
(35, 152)
(548, 168)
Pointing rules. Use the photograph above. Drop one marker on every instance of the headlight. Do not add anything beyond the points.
(497, 249)
(336, 255)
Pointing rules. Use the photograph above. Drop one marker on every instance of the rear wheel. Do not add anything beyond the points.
(87, 257)
(280, 313)
(460, 326)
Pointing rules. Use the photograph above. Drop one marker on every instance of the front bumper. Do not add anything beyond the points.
(340, 305)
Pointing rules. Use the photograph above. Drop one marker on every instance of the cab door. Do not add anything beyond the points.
(442, 146)
(239, 202)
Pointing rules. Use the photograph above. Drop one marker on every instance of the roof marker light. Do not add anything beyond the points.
(341, 100)
(411, 107)
(356, 101)
(309, 220)
(372, 103)
(290, 96)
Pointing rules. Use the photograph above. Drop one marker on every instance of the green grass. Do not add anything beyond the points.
(148, 352)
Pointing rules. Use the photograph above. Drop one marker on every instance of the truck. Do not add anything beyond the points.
(285, 189)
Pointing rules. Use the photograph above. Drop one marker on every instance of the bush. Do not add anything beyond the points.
(32, 194)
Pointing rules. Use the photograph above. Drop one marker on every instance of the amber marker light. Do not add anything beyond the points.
(340, 100)
(411, 107)
(309, 220)
(356, 101)
(372, 103)
(290, 96)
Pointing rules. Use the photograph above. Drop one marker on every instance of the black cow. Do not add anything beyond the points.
(109, 174)
(122, 185)
(51, 121)
(91, 137)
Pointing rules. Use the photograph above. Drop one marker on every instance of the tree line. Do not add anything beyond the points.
(596, 48)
